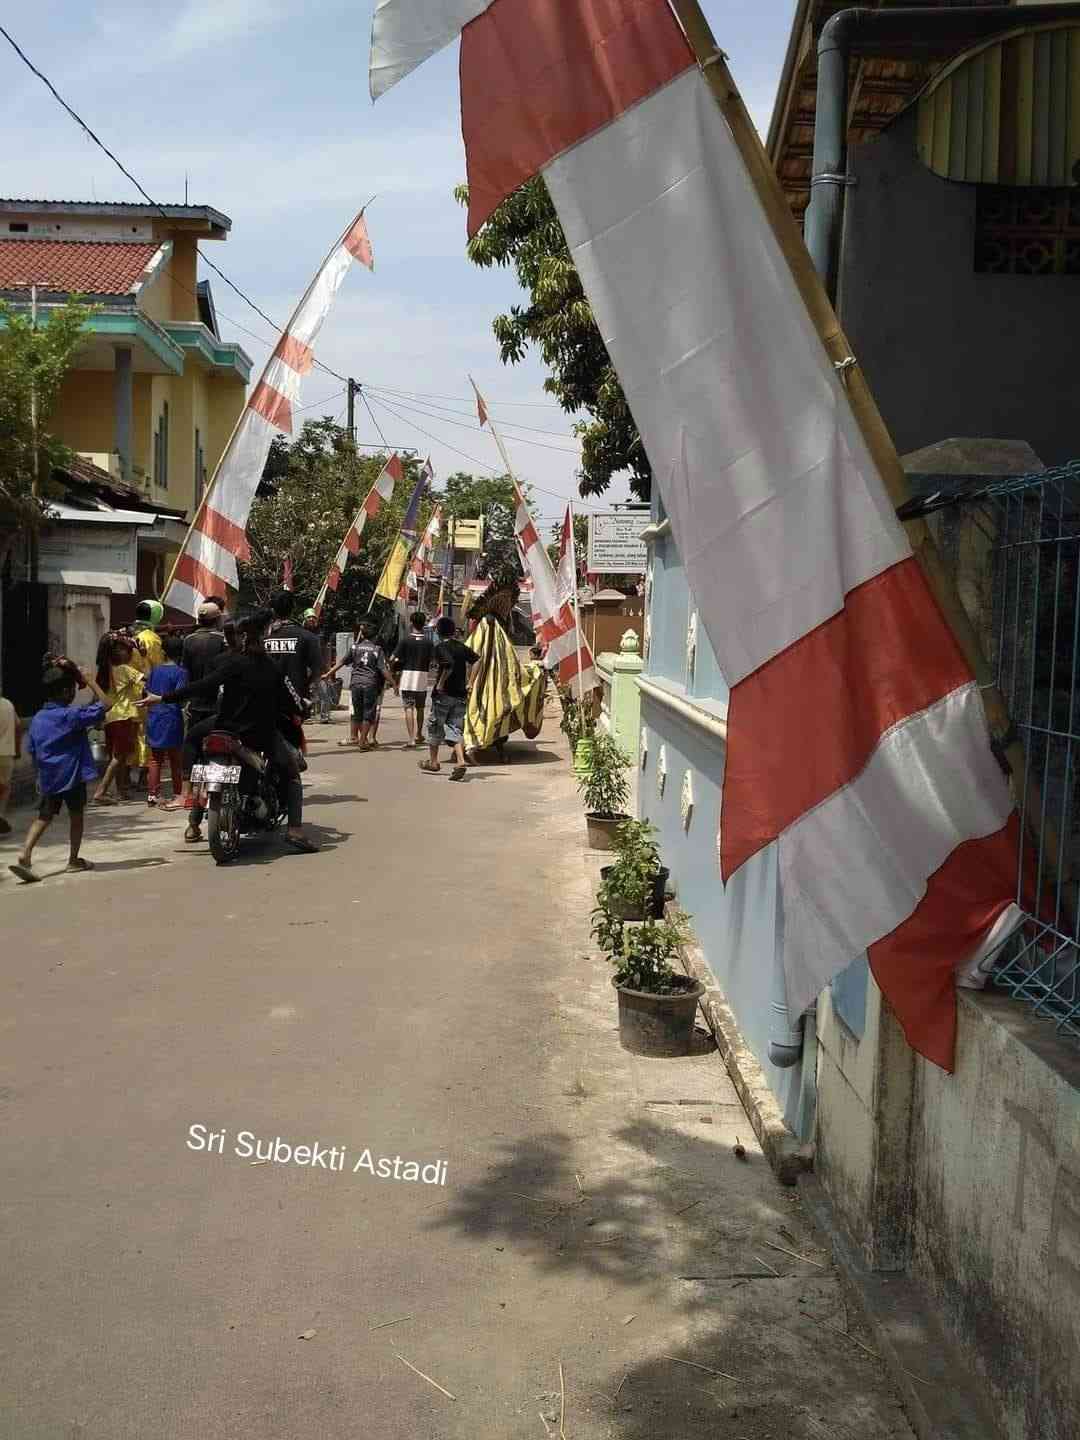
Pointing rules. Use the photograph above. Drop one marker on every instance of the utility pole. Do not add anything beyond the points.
(353, 391)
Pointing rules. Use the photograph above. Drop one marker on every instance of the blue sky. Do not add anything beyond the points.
(264, 104)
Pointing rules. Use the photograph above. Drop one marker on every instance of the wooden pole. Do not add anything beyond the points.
(879, 442)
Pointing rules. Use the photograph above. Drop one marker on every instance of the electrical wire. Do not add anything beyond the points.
(371, 412)
(151, 201)
(466, 399)
(460, 425)
(470, 413)
(578, 504)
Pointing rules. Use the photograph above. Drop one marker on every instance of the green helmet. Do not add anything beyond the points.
(150, 612)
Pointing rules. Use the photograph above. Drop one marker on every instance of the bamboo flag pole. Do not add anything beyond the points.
(577, 607)
(879, 442)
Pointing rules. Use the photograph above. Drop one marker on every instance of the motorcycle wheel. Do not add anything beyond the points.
(223, 826)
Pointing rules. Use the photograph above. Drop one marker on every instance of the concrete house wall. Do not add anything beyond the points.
(735, 924)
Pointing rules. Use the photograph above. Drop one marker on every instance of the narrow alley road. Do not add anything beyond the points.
(421, 989)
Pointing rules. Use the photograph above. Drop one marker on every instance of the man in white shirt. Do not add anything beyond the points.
(9, 732)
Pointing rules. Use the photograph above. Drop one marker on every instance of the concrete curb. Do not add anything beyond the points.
(942, 1398)
(788, 1157)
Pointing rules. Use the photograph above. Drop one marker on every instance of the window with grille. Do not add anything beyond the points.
(1025, 231)
(200, 468)
(161, 449)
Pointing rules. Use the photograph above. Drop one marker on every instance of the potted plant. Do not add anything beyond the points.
(657, 1003)
(634, 887)
(606, 791)
(577, 725)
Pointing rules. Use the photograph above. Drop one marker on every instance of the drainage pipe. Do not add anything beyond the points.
(906, 33)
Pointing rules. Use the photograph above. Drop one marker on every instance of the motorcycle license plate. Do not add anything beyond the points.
(215, 775)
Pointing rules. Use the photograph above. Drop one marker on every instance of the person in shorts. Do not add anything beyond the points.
(449, 698)
(369, 675)
(60, 749)
(411, 664)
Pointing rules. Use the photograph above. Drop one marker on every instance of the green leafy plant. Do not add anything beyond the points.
(605, 787)
(642, 954)
(577, 721)
(627, 886)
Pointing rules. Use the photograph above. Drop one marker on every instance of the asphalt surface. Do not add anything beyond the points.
(419, 989)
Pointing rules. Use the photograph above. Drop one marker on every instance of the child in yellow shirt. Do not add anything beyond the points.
(123, 684)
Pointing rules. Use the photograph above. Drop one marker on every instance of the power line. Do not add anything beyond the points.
(471, 412)
(466, 399)
(459, 425)
(374, 420)
(579, 504)
(150, 200)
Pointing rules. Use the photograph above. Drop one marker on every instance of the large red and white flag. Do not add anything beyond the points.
(207, 565)
(857, 742)
(380, 492)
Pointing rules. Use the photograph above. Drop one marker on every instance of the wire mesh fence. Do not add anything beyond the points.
(1032, 526)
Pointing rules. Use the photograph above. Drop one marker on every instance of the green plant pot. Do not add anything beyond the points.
(583, 757)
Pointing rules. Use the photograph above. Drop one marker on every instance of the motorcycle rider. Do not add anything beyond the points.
(294, 649)
(255, 700)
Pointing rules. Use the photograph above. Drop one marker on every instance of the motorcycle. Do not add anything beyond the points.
(242, 793)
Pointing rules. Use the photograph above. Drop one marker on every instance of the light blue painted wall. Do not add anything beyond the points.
(736, 924)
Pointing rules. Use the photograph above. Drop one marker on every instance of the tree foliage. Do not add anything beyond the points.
(33, 362)
(524, 232)
(311, 491)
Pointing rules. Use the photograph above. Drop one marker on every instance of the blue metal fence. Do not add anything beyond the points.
(1035, 644)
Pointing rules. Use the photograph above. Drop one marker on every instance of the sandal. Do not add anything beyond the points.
(192, 835)
(302, 844)
(348, 744)
(25, 874)
(77, 866)
(427, 767)
(458, 773)
(103, 800)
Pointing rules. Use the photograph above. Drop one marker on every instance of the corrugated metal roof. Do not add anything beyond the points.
(88, 267)
(115, 207)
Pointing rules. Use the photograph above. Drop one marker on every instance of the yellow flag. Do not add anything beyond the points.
(393, 571)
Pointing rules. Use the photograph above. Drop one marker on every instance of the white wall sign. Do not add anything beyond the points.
(615, 543)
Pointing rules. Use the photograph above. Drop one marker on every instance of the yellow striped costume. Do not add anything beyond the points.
(508, 696)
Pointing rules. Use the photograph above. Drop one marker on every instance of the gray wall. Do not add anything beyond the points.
(948, 352)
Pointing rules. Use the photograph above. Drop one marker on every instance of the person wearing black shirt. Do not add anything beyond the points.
(254, 700)
(411, 662)
(204, 649)
(449, 698)
(295, 651)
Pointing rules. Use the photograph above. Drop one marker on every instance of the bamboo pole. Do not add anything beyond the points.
(713, 63)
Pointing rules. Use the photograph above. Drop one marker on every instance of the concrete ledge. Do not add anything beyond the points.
(943, 1400)
(784, 1152)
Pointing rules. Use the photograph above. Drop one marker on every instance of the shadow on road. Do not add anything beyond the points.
(685, 1216)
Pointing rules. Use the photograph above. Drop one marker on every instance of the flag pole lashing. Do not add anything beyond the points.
(713, 63)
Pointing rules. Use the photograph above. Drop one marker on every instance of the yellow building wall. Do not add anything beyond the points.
(183, 273)
(142, 429)
(225, 401)
(82, 417)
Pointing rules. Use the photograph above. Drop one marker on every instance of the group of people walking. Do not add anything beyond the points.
(156, 698)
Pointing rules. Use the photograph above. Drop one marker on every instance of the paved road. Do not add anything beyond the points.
(416, 990)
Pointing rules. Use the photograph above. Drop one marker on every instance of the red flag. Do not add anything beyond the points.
(481, 408)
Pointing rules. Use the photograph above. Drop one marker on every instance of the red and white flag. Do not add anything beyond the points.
(380, 492)
(857, 742)
(420, 566)
(207, 565)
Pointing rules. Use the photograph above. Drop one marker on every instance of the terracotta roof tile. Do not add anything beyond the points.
(90, 267)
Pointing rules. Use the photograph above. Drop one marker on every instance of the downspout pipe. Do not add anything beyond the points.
(905, 33)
